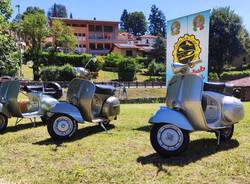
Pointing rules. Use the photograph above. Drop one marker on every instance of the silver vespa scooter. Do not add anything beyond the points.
(192, 105)
(85, 101)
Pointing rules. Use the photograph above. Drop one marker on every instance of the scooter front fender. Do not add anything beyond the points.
(167, 115)
(68, 109)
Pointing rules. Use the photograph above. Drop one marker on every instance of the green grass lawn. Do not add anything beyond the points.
(102, 77)
(27, 73)
(124, 155)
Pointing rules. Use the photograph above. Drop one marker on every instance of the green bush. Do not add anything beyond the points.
(112, 60)
(156, 69)
(234, 75)
(58, 73)
(213, 77)
(76, 60)
(127, 69)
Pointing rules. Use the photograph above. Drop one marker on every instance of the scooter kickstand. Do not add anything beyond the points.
(218, 137)
(102, 125)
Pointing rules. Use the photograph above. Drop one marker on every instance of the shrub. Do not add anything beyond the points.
(156, 69)
(213, 77)
(113, 59)
(76, 60)
(127, 69)
(234, 75)
(58, 73)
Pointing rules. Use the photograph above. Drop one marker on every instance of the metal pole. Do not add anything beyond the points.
(19, 45)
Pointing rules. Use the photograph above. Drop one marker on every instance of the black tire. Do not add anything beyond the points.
(3, 122)
(54, 127)
(226, 134)
(171, 150)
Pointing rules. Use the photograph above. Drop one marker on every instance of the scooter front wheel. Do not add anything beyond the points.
(61, 126)
(3, 122)
(169, 140)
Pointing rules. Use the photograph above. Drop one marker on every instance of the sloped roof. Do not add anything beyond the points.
(126, 46)
(241, 82)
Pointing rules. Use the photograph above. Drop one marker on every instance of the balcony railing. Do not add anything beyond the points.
(104, 51)
(96, 40)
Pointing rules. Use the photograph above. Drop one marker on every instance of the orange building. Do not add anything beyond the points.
(94, 36)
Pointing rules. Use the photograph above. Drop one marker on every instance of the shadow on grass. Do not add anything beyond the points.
(144, 128)
(22, 127)
(81, 133)
(197, 150)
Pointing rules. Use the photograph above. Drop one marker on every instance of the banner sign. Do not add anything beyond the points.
(188, 40)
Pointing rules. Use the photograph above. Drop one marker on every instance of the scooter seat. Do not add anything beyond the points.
(218, 87)
(105, 89)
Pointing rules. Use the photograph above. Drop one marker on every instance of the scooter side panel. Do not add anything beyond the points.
(68, 109)
(4, 110)
(166, 115)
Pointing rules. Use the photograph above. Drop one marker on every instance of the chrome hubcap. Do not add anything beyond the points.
(63, 126)
(170, 137)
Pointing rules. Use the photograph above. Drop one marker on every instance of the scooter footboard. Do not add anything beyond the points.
(166, 115)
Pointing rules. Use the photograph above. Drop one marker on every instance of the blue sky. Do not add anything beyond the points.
(112, 9)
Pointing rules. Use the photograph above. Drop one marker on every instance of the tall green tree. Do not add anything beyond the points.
(8, 63)
(63, 35)
(227, 38)
(124, 21)
(34, 28)
(57, 10)
(137, 23)
(158, 53)
(32, 9)
(157, 22)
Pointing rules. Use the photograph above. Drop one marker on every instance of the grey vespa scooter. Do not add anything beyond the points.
(86, 101)
(192, 105)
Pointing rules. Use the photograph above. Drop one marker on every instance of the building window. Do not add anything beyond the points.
(147, 41)
(82, 25)
(99, 46)
(75, 34)
(244, 59)
(98, 28)
(107, 46)
(75, 25)
(92, 46)
(129, 53)
(108, 28)
(92, 36)
(91, 28)
(83, 34)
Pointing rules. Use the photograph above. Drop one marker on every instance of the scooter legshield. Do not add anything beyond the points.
(170, 116)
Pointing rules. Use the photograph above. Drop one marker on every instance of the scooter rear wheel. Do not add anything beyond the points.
(3, 122)
(61, 127)
(226, 134)
(169, 140)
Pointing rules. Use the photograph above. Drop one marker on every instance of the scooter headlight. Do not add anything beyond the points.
(3, 100)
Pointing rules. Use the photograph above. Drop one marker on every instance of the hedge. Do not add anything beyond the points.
(76, 60)
(233, 75)
(58, 73)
